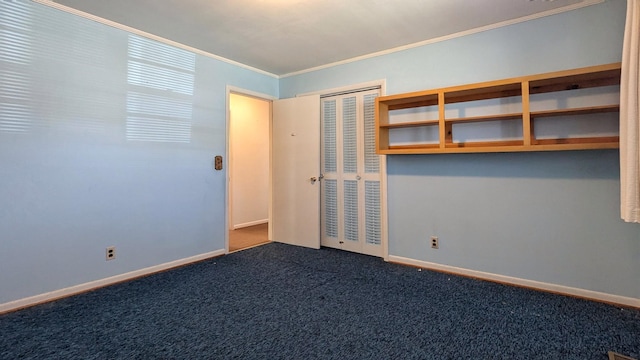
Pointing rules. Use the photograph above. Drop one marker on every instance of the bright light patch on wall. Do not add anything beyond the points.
(156, 129)
(86, 48)
(160, 98)
(15, 44)
(157, 118)
(160, 78)
(14, 118)
(154, 105)
(15, 59)
(161, 54)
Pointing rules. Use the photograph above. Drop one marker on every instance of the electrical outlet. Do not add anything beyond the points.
(111, 253)
(434, 242)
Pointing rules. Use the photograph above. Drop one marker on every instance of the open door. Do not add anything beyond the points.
(295, 171)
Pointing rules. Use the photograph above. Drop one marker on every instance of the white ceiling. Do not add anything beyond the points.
(286, 36)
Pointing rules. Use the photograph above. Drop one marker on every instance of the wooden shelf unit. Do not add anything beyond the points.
(523, 87)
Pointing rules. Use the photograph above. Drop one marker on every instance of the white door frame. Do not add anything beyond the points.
(382, 83)
(226, 164)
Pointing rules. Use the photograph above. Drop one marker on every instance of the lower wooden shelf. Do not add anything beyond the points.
(496, 147)
(457, 145)
(594, 141)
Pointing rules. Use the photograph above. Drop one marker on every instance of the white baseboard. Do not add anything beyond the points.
(92, 285)
(250, 223)
(538, 285)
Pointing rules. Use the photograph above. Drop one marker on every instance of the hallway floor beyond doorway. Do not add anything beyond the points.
(248, 237)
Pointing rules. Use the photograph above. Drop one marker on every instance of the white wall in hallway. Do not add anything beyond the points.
(249, 160)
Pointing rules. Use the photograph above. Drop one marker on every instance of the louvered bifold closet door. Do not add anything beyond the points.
(371, 177)
(329, 190)
(351, 214)
(350, 203)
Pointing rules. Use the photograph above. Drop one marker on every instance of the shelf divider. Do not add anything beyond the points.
(527, 129)
(445, 134)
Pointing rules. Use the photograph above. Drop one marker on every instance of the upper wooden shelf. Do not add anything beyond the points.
(604, 75)
(523, 87)
(411, 100)
(492, 90)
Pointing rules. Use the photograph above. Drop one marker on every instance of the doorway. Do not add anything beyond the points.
(287, 220)
(249, 133)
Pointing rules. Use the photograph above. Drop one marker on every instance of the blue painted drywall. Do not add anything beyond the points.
(67, 193)
(584, 37)
(549, 217)
(73, 184)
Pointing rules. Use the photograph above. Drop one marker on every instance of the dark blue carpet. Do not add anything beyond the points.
(283, 302)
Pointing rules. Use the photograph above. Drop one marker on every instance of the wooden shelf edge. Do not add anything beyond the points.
(576, 111)
(586, 141)
(410, 105)
(577, 71)
(499, 149)
(482, 91)
(514, 116)
(484, 144)
(581, 78)
(410, 124)
(409, 100)
(497, 117)
(564, 147)
(414, 146)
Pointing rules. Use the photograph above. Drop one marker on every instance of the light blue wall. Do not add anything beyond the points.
(549, 217)
(73, 184)
(584, 37)
(68, 188)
